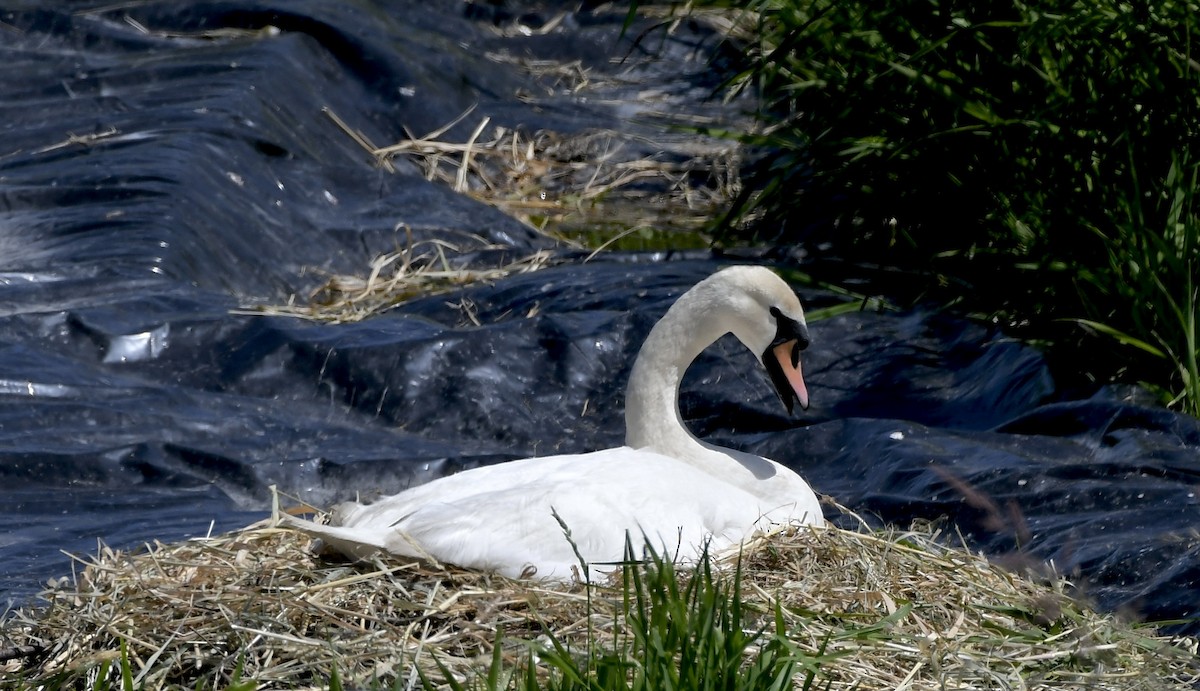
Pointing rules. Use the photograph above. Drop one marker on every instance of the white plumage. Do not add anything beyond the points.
(664, 484)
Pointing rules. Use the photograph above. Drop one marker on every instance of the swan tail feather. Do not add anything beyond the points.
(356, 543)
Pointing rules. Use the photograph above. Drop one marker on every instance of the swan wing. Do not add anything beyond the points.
(503, 518)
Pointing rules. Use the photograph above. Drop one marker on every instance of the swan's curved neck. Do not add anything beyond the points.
(652, 418)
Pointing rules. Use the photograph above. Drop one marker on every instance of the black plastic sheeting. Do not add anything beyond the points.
(153, 178)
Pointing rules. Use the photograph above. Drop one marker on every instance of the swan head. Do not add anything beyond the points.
(768, 319)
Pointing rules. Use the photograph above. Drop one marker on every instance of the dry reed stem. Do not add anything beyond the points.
(890, 610)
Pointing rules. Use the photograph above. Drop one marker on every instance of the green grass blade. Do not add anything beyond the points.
(1120, 337)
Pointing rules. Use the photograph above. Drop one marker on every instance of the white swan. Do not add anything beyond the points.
(665, 484)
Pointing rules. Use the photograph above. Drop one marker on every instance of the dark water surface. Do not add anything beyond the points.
(155, 175)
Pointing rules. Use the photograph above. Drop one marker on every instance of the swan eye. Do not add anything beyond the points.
(788, 329)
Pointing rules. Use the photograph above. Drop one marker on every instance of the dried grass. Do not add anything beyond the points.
(893, 610)
(739, 23)
(562, 183)
(420, 270)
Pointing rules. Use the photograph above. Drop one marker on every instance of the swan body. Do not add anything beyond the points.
(677, 491)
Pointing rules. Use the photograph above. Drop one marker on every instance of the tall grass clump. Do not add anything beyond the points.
(1156, 274)
(682, 633)
(688, 631)
(1030, 160)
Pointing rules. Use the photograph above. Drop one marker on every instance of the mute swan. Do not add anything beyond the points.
(664, 484)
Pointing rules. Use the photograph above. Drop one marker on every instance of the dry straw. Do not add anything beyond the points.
(422, 269)
(891, 610)
(555, 182)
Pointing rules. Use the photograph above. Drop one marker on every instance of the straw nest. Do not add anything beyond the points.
(894, 610)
